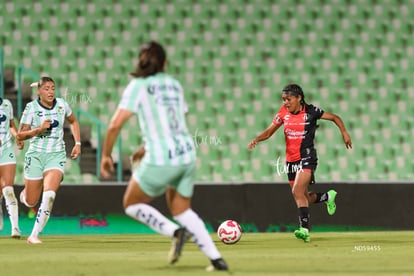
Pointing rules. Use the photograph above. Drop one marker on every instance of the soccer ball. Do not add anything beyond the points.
(229, 232)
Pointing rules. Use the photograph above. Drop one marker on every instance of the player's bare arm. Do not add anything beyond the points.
(115, 126)
(340, 124)
(266, 134)
(25, 132)
(75, 129)
(138, 155)
(13, 131)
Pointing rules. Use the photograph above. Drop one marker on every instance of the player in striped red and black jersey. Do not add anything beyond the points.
(299, 120)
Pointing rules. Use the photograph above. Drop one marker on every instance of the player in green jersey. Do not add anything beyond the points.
(8, 166)
(42, 122)
(168, 164)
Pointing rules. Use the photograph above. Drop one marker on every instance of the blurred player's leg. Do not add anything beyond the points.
(159, 223)
(181, 235)
(152, 217)
(135, 205)
(13, 210)
(218, 264)
(191, 221)
(180, 207)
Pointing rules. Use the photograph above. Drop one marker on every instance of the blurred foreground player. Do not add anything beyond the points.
(168, 165)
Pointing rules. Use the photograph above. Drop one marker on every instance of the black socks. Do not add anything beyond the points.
(321, 197)
(304, 217)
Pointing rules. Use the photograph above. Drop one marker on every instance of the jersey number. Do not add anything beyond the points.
(173, 120)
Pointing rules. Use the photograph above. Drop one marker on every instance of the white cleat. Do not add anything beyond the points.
(16, 233)
(33, 240)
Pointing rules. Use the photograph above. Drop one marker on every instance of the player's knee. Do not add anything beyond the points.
(128, 201)
(29, 203)
(125, 205)
(294, 192)
(297, 192)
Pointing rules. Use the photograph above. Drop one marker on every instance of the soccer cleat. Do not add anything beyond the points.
(16, 234)
(330, 203)
(33, 240)
(181, 235)
(217, 264)
(303, 234)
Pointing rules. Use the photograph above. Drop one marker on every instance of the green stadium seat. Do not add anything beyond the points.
(72, 167)
(233, 59)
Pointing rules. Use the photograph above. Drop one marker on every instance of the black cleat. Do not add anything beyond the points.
(217, 264)
(181, 235)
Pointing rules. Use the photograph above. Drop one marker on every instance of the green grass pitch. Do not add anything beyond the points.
(329, 253)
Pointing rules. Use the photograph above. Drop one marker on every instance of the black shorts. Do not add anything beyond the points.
(306, 163)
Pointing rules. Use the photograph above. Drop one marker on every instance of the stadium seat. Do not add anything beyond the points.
(233, 58)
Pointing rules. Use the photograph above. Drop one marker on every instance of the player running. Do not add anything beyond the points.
(168, 165)
(8, 166)
(300, 122)
(42, 122)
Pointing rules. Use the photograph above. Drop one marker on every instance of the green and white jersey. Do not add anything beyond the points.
(51, 140)
(159, 102)
(6, 114)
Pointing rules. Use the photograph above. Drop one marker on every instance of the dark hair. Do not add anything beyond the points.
(42, 81)
(151, 60)
(294, 90)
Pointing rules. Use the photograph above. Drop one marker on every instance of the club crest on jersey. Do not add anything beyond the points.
(286, 117)
(61, 109)
(278, 120)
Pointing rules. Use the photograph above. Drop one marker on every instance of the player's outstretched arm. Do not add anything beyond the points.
(115, 126)
(266, 134)
(340, 124)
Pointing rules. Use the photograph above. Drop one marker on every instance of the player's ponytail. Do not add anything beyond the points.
(151, 60)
